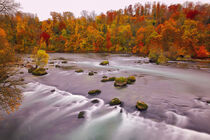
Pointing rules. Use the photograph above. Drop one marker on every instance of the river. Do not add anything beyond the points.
(177, 100)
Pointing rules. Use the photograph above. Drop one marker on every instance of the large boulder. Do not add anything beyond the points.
(141, 106)
(120, 82)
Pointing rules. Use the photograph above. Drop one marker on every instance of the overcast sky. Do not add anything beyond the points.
(43, 7)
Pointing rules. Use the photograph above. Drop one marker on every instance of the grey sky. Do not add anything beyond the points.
(43, 7)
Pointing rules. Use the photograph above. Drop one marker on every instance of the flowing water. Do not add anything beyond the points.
(177, 99)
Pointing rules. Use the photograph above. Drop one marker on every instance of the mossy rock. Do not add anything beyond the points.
(81, 115)
(79, 71)
(141, 106)
(39, 72)
(131, 80)
(104, 63)
(94, 92)
(112, 78)
(115, 101)
(108, 79)
(91, 73)
(64, 62)
(105, 80)
(120, 82)
(104, 77)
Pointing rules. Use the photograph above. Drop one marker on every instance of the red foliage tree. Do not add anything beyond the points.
(62, 26)
(45, 36)
(191, 14)
(108, 40)
(202, 52)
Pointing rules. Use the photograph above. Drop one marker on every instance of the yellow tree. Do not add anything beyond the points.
(41, 58)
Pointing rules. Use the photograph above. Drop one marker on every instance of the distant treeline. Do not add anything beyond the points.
(150, 29)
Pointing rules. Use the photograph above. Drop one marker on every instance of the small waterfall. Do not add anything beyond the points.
(49, 113)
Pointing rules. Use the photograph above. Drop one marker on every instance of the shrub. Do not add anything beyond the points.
(162, 59)
(41, 58)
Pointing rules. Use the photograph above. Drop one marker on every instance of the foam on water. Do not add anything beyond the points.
(113, 124)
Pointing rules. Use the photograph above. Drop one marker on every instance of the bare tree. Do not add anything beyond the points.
(8, 6)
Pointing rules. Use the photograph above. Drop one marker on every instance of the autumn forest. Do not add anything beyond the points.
(153, 29)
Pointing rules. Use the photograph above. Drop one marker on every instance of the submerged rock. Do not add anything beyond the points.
(141, 106)
(64, 62)
(115, 101)
(39, 72)
(104, 63)
(61, 58)
(91, 73)
(95, 101)
(53, 90)
(94, 92)
(81, 115)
